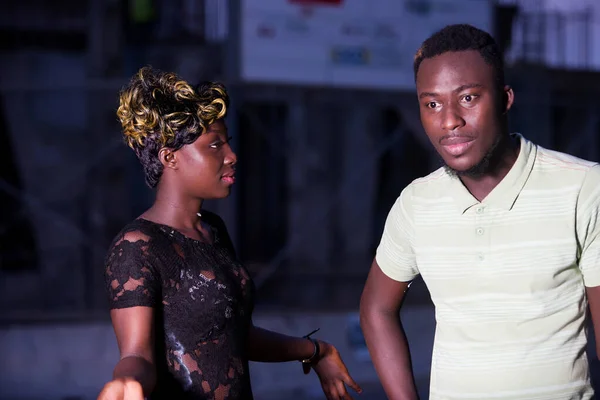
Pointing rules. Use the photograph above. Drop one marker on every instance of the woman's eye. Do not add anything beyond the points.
(220, 143)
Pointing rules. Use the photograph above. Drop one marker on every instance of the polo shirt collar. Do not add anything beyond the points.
(507, 191)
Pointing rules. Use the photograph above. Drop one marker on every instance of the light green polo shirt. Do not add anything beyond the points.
(507, 275)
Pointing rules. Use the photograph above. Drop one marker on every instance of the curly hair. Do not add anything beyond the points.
(159, 109)
(462, 37)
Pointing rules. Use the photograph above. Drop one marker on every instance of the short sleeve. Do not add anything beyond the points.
(130, 275)
(395, 253)
(588, 227)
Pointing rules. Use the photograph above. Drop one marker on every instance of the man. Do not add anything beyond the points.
(506, 237)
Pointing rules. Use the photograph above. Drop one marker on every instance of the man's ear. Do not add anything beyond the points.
(168, 158)
(508, 98)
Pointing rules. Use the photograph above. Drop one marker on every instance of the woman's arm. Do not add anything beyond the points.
(133, 290)
(269, 346)
(134, 375)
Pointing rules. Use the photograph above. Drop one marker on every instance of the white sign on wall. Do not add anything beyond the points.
(345, 43)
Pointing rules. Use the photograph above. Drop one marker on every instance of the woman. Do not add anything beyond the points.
(181, 303)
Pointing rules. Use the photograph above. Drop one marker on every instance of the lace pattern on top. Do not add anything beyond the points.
(203, 301)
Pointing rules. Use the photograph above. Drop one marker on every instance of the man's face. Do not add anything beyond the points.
(461, 109)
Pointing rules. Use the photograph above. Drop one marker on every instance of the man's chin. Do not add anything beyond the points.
(454, 172)
(474, 168)
(452, 167)
(473, 171)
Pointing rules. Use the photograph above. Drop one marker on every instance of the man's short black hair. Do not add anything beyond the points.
(462, 37)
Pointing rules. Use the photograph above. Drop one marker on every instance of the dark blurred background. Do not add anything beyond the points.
(326, 125)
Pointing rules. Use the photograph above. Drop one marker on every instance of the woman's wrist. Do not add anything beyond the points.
(325, 349)
(318, 348)
(314, 354)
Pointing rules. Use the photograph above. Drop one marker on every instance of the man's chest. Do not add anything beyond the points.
(529, 250)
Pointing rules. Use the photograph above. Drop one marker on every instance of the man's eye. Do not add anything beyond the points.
(469, 98)
(432, 104)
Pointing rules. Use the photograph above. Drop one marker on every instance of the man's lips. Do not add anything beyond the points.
(451, 140)
(456, 145)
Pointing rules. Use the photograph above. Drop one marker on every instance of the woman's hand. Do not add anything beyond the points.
(332, 373)
(122, 389)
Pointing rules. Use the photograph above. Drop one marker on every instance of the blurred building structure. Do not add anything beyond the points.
(325, 149)
(326, 139)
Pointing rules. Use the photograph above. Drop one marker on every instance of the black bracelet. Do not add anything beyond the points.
(317, 350)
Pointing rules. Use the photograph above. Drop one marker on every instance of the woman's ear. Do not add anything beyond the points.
(168, 158)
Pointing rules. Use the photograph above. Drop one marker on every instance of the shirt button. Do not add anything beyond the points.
(479, 231)
(479, 210)
(480, 257)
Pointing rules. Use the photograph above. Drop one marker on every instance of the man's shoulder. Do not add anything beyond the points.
(429, 185)
(428, 189)
(556, 160)
(558, 169)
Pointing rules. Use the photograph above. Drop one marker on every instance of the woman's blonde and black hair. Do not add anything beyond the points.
(159, 109)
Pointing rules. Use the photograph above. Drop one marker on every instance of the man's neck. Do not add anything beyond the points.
(481, 186)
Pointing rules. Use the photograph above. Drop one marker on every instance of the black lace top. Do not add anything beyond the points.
(203, 301)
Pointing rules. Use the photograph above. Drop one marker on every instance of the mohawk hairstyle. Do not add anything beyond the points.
(159, 109)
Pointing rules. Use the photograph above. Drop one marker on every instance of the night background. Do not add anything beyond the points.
(325, 122)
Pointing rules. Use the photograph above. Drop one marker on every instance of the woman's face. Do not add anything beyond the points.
(206, 167)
